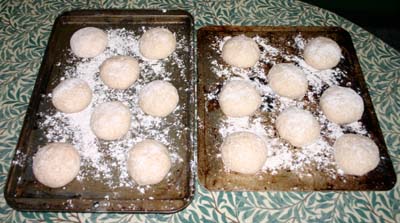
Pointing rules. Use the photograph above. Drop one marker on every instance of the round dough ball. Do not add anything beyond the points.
(158, 98)
(119, 72)
(148, 162)
(88, 42)
(239, 98)
(71, 95)
(244, 152)
(157, 43)
(356, 154)
(241, 51)
(287, 80)
(341, 105)
(56, 164)
(322, 53)
(110, 120)
(298, 126)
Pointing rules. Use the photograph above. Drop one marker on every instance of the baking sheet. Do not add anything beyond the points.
(211, 171)
(23, 192)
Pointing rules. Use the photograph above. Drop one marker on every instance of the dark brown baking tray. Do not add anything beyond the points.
(23, 192)
(210, 167)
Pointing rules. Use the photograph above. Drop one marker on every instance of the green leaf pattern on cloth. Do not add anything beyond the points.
(24, 30)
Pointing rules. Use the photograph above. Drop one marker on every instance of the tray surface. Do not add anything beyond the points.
(111, 190)
(277, 45)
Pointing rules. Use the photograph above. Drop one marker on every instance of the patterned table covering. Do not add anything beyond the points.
(25, 26)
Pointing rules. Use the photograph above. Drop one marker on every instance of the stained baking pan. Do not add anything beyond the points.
(213, 72)
(87, 194)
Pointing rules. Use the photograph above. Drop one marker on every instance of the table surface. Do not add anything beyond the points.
(24, 30)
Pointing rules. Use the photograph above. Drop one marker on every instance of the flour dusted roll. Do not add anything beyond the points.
(241, 51)
(298, 127)
(157, 43)
(158, 98)
(287, 80)
(71, 95)
(110, 120)
(243, 152)
(356, 154)
(88, 42)
(239, 98)
(56, 164)
(119, 72)
(322, 53)
(342, 105)
(148, 162)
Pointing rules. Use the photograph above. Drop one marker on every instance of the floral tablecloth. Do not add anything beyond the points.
(25, 26)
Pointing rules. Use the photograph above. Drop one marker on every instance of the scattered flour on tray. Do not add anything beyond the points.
(106, 160)
(281, 155)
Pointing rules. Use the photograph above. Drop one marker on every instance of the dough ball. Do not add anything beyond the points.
(88, 42)
(241, 51)
(157, 43)
(287, 80)
(56, 164)
(158, 98)
(239, 98)
(148, 162)
(341, 105)
(119, 72)
(356, 154)
(298, 126)
(322, 53)
(71, 95)
(244, 152)
(110, 120)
